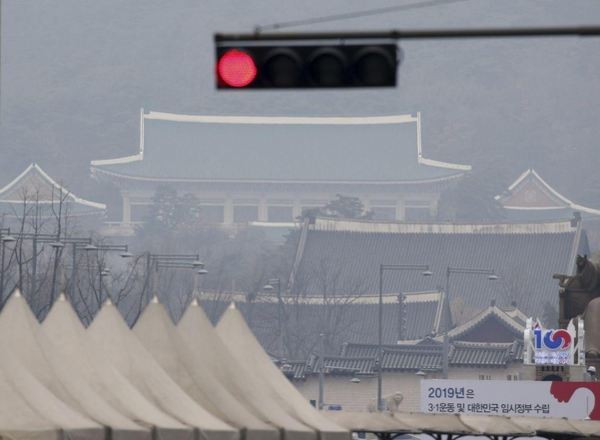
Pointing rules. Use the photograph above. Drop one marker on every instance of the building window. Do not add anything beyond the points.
(212, 214)
(485, 377)
(383, 213)
(417, 210)
(245, 214)
(140, 212)
(282, 214)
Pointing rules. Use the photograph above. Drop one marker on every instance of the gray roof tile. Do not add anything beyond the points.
(284, 152)
(524, 262)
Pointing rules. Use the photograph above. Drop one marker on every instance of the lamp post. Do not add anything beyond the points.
(424, 268)
(275, 283)
(321, 369)
(58, 244)
(491, 276)
(51, 239)
(176, 261)
(5, 237)
(102, 271)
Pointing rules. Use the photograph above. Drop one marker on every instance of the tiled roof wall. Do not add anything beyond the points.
(524, 263)
(416, 357)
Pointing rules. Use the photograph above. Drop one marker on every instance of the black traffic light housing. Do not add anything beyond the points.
(290, 65)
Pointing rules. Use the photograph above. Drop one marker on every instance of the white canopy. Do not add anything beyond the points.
(465, 424)
(248, 352)
(203, 339)
(29, 411)
(70, 338)
(22, 334)
(157, 333)
(133, 361)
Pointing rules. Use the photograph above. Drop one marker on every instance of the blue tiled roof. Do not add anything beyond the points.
(279, 152)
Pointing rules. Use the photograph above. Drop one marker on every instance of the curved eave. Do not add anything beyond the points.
(506, 320)
(572, 206)
(97, 170)
(72, 198)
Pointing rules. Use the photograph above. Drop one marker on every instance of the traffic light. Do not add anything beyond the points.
(290, 65)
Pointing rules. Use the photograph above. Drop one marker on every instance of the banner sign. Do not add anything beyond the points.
(574, 400)
(553, 347)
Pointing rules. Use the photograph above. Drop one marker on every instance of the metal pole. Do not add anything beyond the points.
(148, 268)
(154, 279)
(2, 274)
(446, 342)
(100, 278)
(279, 323)
(73, 270)
(34, 269)
(321, 369)
(417, 34)
(380, 341)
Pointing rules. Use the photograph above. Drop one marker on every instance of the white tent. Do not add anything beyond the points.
(248, 352)
(132, 360)
(22, 334)
(67, 332)
(29, 411)
(203, 339)
(156, 332)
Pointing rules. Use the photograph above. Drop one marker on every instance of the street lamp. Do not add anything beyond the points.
(175, 261)
(123, 250)
(275, 283)
(491, 276)
(55, 242)
(5, 238)
(424, 269)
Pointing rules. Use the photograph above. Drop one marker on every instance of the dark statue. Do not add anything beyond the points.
(579, 295)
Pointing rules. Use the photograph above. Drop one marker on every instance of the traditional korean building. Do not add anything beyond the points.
(531, 198)
(524, 256)
(488, 347)
(245, 169)
(35, 193)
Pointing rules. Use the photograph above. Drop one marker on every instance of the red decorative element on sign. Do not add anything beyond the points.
(563, 391)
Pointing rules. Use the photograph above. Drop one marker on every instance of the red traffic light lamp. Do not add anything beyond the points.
(236, 68)
(284, 65)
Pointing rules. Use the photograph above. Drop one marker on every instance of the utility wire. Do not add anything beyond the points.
(357, 14)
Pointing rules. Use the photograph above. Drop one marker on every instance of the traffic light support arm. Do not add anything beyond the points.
(419, 34)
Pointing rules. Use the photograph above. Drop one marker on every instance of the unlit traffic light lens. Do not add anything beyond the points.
(327, 68)
(374, 67)
(282, 68)
(237, 68)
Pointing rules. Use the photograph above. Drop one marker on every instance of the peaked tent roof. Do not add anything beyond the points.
(35, 186)
(21, 332)
(156, 332)
(65, 329)
(29, 411)
(524, 256)
(180, 148)
(197, 330)
(128, 355)
(531, 198)
(245, 348)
